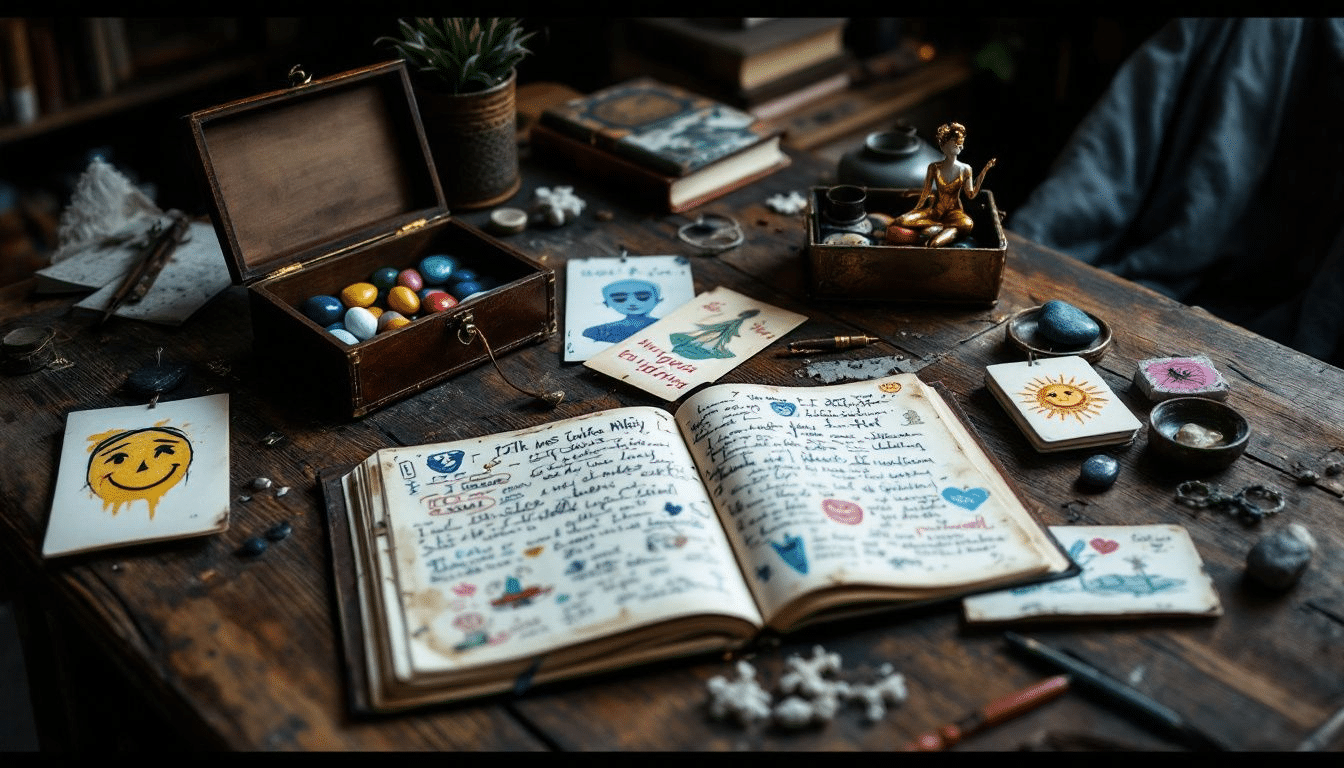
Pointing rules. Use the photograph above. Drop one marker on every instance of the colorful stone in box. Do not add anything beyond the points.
(1162, 378)
(437, 269)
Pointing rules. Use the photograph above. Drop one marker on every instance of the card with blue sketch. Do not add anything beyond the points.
(696, 343)
(1128, 571)
(135, 474)
(609, 298)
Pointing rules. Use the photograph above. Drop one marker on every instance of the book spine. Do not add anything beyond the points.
(656, 39)
(46, 66)
(591, 161)
(100, 57)
(23, 103)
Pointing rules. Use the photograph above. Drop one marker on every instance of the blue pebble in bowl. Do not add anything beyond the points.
(437, 269)
(323, 310)
(1062, 323)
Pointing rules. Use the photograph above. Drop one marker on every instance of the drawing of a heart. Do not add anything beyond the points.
(465, 590)
(966, 499)
(1104, 546)
(672, 509)
(782, 408)
(846, 512)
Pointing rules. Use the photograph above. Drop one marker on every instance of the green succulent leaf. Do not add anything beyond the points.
(461, 54)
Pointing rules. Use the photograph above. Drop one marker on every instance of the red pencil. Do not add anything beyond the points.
(993, 713)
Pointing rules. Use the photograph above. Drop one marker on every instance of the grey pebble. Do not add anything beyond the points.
(1279, 559)
(1099, 472)
(279, 531)
(156, 379)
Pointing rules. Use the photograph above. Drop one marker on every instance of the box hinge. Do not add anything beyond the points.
(411, 227)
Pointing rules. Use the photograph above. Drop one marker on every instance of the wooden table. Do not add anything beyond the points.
(244, 653)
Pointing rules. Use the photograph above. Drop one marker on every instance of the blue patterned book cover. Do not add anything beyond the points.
(668, 129)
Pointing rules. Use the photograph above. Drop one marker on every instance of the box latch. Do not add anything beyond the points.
(464, 326)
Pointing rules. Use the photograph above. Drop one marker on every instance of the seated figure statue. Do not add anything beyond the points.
(938, 215)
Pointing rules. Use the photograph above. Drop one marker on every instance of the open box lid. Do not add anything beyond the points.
(299, 174)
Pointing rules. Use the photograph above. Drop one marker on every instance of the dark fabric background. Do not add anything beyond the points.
(1212, 170)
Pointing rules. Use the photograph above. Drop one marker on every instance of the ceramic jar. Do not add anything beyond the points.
(896, 159)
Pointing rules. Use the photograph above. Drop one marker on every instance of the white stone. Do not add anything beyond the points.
(789, 204)
(361, 323)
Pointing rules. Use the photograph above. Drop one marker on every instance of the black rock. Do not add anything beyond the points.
(1099, 472)
(156, 379)
(252, 547)
(1063, 323)
(1279, 559)
(279, 531)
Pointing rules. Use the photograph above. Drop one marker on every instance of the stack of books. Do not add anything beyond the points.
(662, 146)
(768, 67)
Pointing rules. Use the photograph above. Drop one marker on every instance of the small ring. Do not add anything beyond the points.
(1196, 493)
(712, 233)
(1261, 492)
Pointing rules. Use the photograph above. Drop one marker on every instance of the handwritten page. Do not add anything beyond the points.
(507, 545)
(608, 299)
(866, 483)
(699, 342)
(1128, 571)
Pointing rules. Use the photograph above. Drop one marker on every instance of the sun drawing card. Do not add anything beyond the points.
(1061, 403)
(1129, 571)
(136, 474)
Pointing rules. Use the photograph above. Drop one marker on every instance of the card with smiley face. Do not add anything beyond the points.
(1061, 403)
(136, 474)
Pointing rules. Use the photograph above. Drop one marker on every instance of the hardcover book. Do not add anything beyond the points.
(632, 535)
(741, 57)
(659, 141)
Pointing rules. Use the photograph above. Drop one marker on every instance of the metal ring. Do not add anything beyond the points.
(1246, 499)
(712, 233)
(1196, 493)
(298, 77)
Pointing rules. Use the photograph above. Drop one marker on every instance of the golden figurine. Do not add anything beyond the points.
(938, 214)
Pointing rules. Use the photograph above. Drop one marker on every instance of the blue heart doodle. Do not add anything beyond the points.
(782, 408)
(575, 567)
(967, 499)
(446, 462)
(672, 509)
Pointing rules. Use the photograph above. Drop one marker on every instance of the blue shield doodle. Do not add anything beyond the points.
(783, 408)
(446, 462)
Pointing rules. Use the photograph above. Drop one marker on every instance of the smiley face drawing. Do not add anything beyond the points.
(126, 466)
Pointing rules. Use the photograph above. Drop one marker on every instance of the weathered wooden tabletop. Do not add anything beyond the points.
(245, 653)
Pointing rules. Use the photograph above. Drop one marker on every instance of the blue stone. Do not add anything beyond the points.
(466, 288)
(279, 531)
(323, 310)
(253, 547)
(464, 273)
(1099, 472)
(437, 269)
(1065, 324)
(345, 336)
(384, 278)
(336, 326)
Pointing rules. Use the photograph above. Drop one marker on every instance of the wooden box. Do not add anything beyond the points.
(908, 273)
(315, 187)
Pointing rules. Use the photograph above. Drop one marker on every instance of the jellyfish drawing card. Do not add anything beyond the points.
(609, 298)
(136, 474)
(1128, 571)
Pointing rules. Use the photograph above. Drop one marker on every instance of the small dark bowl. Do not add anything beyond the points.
(1023, 332)
(1168, 416)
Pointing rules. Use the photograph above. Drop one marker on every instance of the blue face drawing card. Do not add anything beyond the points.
(607, 299)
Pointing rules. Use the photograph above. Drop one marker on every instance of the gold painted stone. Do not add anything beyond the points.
(403, 300)
(359, 294)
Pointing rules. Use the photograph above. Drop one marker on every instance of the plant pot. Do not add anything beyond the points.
(473, 139)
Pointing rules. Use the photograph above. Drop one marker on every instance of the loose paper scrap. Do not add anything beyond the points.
(136, 474)
(1127, 572)
(609, 298)
(695, 344)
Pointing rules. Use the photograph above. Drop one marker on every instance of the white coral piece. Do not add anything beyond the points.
(890, 689)
(744, 699)
(807, 676)
(789, 204)
(558, 206)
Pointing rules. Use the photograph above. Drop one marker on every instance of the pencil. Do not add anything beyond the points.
(1088, 678)
(993, 713)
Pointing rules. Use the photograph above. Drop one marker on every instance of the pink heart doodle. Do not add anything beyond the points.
(464, 590)
(1104, 546)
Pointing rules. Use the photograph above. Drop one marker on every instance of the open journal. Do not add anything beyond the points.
(632, 534)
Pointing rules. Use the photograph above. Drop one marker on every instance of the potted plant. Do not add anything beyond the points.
(464, 75)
